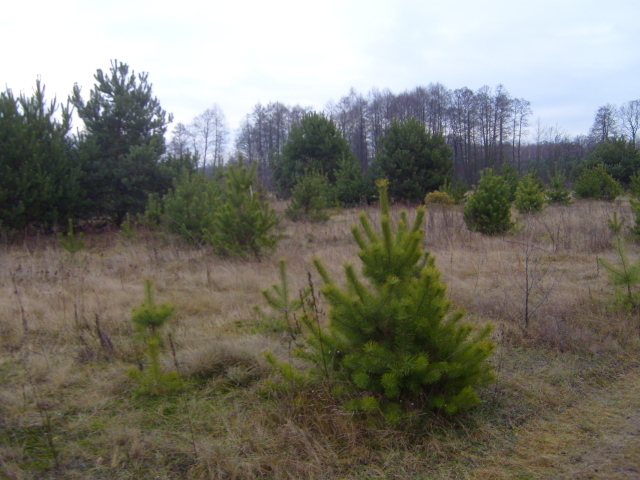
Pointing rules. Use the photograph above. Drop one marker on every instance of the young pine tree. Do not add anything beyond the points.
(148, 318)
(243, 221)
(625, 274)
(391, 334)
(311, 196)
(488, 209)
(596, 183)
(190, 205)
(529, 196)
(556, 193)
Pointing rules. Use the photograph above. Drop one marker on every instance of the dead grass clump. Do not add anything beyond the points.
(239, 362)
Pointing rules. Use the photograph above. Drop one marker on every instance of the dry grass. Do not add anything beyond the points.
(67, 408)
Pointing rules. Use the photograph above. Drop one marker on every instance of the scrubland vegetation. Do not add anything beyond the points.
(566, 358)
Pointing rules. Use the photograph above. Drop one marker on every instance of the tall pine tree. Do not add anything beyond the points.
(38, 175)
(122, 144)
(414, 161)
(315, 145)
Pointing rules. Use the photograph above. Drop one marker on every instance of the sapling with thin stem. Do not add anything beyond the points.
(148, 318)
(625, 274)
(616, 223)
(530, 280)
(71, 242)
(282, 303)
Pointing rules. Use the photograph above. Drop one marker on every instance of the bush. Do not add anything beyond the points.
(413, 160)
(392, 336)
(311, 195)
(488, 209)
(438, 198)
(529, 196)
(596, 183)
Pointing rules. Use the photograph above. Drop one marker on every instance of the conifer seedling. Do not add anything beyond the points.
(148, 318)
(71, 242)
(624, 274)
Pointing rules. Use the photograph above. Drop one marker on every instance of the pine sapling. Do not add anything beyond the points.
(616, 223)
(284, 305)
(71, 242)
(148, 318)
(244, 221)
(625, 274)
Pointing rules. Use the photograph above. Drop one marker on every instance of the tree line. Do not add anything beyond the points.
(419, 139)
(486, 128)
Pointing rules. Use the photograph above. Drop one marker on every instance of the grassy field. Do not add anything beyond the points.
(564, 404)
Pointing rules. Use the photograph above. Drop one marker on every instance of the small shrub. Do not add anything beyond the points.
(488, 209)
(530, 197)
(128, 228)
(284, 305)
(243, 221)
(634, 185)
(438, 198)
(311, 196)
(596, 183)
(616, 223)
(635, 207)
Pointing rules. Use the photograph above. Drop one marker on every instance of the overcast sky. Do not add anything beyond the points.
(567, 57)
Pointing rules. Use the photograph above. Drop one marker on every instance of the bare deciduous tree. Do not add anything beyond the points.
(630, 119)
(209, 135)
(605, 124)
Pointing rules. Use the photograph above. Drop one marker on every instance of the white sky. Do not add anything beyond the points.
(567, 57)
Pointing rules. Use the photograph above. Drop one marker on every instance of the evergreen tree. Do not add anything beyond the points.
(38, 173)
(313, 145)
(620, 158)
(189, 207)
(488, 209)
(310, 197)
(123, 142)
(243, 221)
(391, 333)
(596, 183)
(512, 177)
(352, 185)
(414, 161)
(529, 197)
(556, 193)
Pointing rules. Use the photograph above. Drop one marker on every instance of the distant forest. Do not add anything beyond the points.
(124, 151)
(485, 128)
